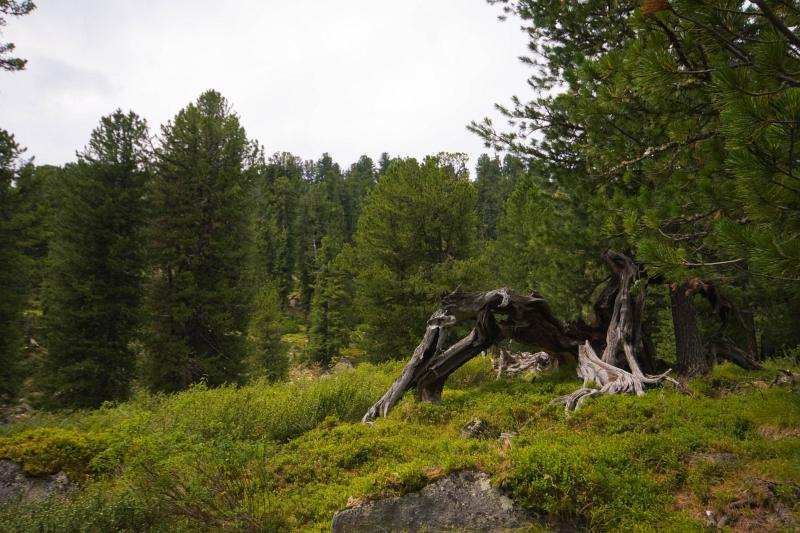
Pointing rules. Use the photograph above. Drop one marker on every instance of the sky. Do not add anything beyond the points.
(347, 77)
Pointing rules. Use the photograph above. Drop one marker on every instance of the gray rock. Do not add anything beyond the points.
(475, 428)
(15, 485)
(463, 501)
(12, 413)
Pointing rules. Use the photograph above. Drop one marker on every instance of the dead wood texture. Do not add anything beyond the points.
(508, 363)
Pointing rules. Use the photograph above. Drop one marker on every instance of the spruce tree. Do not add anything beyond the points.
(93, 285)
(199, 233)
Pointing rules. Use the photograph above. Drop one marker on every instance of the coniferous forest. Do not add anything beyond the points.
(192, 327)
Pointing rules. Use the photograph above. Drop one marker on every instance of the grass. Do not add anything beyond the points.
(288, 456)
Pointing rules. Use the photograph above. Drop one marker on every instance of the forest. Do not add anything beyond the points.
(637, 216)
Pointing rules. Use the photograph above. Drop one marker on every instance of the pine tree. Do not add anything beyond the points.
(12, 271)
(322, 213)
(494, 181)
(667, 137)
(38, 198)
(332, 315)
(279, 188)
(93, 286)
(417, 229)
(200, 241)
(266, 326)
(359, 181)
(12, 8)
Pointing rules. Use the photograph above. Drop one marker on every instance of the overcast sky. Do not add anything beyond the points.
(348, 77)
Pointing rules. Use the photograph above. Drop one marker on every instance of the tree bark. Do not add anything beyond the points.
(689, 349)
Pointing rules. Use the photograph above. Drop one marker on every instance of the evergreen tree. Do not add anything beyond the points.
(279, 189)
(332, 315)
(322, 213)
(12, 271)
(383, 163)
(359, 181)
(651, 141)
(417, 228)
(494, 185)
(38, 198)
(93, 286)
(37, 187)
(198, 296)
(266, 325)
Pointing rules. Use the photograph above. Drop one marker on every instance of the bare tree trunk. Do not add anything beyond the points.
(689, 349)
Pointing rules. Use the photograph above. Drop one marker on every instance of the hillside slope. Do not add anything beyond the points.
(287, 457)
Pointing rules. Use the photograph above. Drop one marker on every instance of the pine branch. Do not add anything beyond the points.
(777, 23)
(676, 44)
(655, 150)
(687, 264)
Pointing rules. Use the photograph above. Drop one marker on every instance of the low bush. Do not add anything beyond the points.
(50, 450)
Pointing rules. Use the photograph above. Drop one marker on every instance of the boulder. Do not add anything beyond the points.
(462, 501)
(476, 429)
(15, 485)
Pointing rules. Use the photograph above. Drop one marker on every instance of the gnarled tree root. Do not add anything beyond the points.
(608, 378)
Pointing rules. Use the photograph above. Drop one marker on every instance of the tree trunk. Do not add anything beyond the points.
(689, 349)
(751, 344)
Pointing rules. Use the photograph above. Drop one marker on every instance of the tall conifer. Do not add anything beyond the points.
(93, 285)
(11, 271)
(198, 297)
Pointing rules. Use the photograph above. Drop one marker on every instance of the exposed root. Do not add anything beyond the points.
(609, 379)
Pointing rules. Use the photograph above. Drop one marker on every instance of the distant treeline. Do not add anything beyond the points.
(183, 257)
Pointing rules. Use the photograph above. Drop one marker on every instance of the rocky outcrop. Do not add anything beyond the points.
(462, 501)
(15, 485)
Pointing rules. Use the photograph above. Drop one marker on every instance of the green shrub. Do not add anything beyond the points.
(219, 485)
(98, 509)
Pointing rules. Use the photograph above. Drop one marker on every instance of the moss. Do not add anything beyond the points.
(48, 451)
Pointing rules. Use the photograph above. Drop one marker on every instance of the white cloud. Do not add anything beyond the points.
(349, 77)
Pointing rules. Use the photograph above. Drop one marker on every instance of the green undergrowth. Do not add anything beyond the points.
(286, 457)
